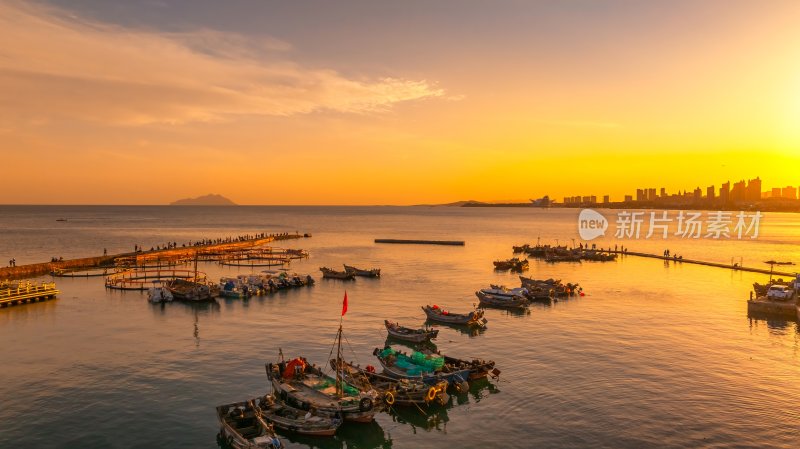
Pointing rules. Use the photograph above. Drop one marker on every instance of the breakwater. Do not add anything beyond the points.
(422, 242)
(733, 266)
(39, 269)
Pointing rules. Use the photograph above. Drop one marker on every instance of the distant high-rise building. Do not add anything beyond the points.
(640, 195)
(724, 193)
(710, 196)
(628, 198)
(776, 192)
(789, 193)
(587, 199)
(698, 194)
(753, 192)
(606, 199)
(663, 192)
(738, 192)
(651, 195)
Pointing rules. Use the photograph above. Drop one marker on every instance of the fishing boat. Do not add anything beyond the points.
(502, 298)
(159, 293)
(305, 386)
(514, 264)
(549, 288)
(436, 313)
(289, 419)
(191, 291)
(241, 428)
(408, 334)
(430, 368)
(371, 273)
(330, 273)
(400, 392)
(237, 288)
(478, 368)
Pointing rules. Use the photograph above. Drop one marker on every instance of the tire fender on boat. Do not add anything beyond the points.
(431, 394)
(389, 398)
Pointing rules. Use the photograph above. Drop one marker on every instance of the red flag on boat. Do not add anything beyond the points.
(344, 304)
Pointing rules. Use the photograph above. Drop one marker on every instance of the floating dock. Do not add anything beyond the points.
(26, 292)
(422, 242)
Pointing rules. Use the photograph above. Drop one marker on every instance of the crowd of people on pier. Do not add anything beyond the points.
(205, 242)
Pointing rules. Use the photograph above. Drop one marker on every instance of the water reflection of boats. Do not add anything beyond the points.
(434, 419)
(363, 436)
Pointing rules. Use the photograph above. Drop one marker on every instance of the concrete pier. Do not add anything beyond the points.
(707, 264)
(422, 242)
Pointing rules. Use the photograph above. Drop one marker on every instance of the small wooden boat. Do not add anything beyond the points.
(405, 392)
(371, 273)
(330, 273)
(501, 298)
(304, 386)
(290, 419)
(185, 290)
(236, 288)
(159, 293)
(514, 264)
(241, 428)
(431, 369)
(478, 368)
(407, 334)
(436, 313)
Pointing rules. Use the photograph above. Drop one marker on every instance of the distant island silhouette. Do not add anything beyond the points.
(211, 199)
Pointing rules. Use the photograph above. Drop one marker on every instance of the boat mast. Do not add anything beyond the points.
(339, 367)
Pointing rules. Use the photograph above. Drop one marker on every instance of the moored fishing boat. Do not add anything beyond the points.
(371, 273)
(305, 386)
(502, 298)
(159, 293)
(549, 288)
(429, 368)
(185, 290)
(436, 313)
(515, 264)
(330, 273)
(408, 334)
(400, 392)
(241, 428)
(478, 368)
(236, 288)
(290, 419)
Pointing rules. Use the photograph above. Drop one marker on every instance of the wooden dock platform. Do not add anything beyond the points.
(422, 242)
(12, 294)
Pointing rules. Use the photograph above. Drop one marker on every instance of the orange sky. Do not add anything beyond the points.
(407, 106)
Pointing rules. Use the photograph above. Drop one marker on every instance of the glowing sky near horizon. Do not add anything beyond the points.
(145, 102)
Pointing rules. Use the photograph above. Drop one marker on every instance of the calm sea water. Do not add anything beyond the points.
(655, 355)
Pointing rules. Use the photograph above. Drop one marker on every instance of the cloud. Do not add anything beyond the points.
(56, 65)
